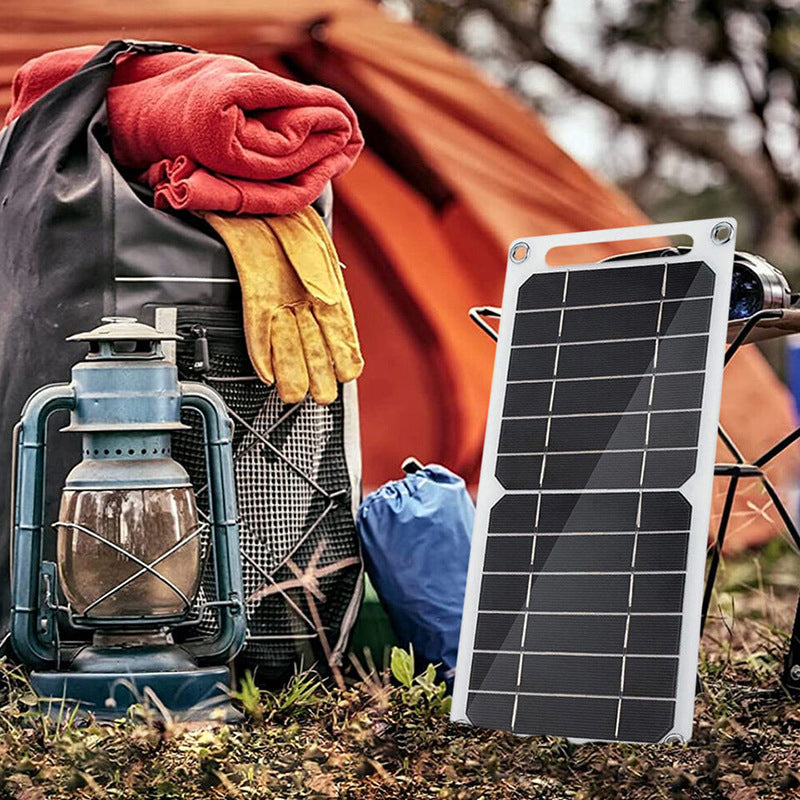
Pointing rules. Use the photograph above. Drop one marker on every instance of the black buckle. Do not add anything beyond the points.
(155, 48)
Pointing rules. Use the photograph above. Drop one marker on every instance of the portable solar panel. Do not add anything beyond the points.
(582, 610)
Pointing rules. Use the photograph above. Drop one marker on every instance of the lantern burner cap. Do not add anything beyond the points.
(123, 329)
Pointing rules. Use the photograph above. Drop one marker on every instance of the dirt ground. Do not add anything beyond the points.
(380, 740)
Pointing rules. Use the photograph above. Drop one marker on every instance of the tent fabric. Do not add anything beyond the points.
(454, 169)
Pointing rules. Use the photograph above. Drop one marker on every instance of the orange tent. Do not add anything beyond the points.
(454, 169)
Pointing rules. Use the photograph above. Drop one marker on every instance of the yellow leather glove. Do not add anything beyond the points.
(298, 321)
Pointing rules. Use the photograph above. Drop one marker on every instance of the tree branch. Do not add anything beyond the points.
(709, 144)
(758, 105)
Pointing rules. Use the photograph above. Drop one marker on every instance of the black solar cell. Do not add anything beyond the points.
(563, 633)
(575, 552)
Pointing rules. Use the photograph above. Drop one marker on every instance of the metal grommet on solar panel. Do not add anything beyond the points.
(519, 252)
(721, 233)
(674, 738)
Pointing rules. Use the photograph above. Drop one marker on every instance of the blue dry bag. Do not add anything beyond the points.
(416, 535)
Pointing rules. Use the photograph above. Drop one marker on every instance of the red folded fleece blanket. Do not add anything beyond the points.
(212, 132)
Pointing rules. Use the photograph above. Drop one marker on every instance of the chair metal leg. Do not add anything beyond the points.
(729, 443)
(777, 449)
(715, 556)
(781, 509)
(791, 671)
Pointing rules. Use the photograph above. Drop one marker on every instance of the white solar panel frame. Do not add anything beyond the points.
(697, 489)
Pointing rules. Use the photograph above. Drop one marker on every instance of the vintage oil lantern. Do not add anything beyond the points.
(132, 543)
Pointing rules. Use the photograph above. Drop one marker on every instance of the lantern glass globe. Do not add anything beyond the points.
(146, 523)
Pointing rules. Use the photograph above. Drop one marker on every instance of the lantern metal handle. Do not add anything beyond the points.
(230, 637)
(28, 483)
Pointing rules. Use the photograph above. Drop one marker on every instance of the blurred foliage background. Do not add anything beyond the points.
(690, 106)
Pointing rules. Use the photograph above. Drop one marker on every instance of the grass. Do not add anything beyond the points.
(383, 738)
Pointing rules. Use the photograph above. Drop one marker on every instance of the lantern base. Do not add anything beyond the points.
(185, 695)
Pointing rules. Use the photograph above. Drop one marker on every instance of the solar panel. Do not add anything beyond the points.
(582, 610)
